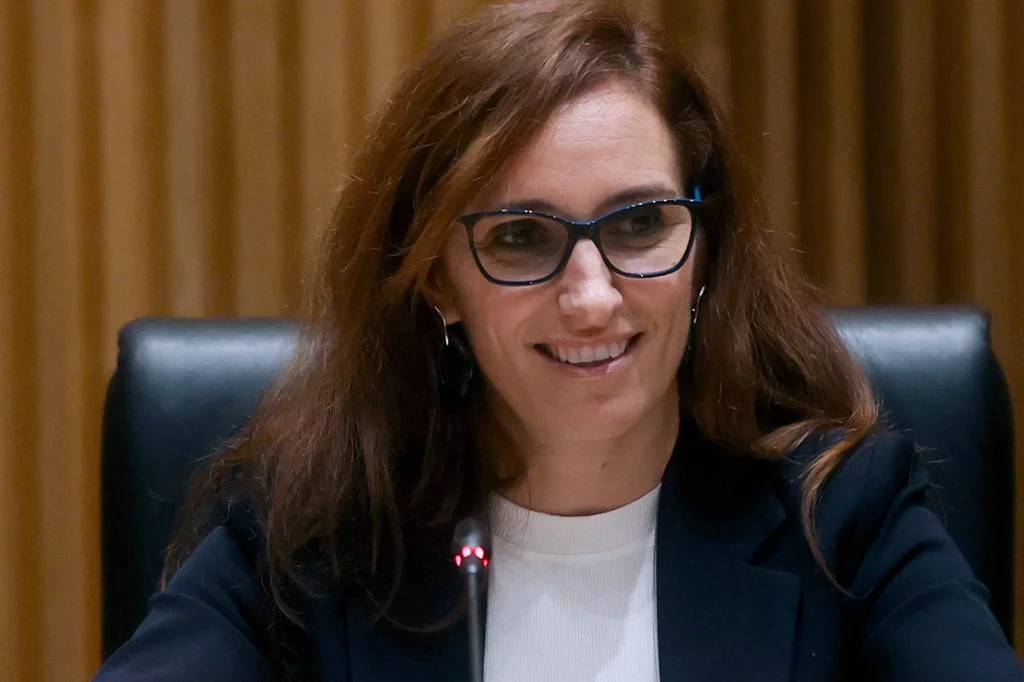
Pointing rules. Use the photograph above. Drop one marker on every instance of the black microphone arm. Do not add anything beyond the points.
(471, 546)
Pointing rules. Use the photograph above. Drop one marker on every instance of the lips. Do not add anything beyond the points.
(589, 354)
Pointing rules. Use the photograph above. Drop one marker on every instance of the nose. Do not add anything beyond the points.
(588, 299)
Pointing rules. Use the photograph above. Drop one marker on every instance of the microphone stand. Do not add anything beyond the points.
(476, 626)
(471, 547)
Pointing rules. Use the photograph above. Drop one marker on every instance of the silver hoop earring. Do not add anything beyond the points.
(694, 314)
(695, 310)
(455, 362)
(444, 324)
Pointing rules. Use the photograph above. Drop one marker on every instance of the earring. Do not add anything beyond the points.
(444, 324)
(694, 314)
(455, 362)
(695, 310)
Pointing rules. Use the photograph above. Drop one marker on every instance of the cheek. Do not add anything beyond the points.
(668, 302)
(493, 322)
(492, 317)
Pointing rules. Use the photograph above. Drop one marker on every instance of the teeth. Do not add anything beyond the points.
(577, 356)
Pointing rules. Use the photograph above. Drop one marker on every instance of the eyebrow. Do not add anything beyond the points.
(631, 195)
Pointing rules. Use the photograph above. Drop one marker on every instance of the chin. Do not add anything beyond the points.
(605, 421)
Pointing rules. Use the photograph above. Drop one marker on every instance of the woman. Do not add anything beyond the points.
(548, 299)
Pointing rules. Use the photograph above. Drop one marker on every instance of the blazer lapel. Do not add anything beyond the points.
(719, 617)
(381, 652)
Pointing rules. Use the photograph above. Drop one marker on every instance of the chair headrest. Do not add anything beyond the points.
(938, 381)
(181, 389)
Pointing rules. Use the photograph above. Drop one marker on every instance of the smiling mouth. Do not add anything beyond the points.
(590, 356)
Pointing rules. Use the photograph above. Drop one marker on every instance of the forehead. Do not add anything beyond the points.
(604, 143)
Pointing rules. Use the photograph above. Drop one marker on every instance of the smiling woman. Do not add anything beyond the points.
(548, 300)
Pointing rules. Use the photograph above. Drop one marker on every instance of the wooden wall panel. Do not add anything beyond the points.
(180, 157)
(133, 184)
(67, 364)
(830, 164)
(199, 156)
(396, 31)
(764, 108)
(900, 152)
(21, 638)
(443, 13)
(259, 142)
(702, 28)
(331, 110)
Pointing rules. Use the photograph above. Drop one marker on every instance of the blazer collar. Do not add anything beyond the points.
(719, 616)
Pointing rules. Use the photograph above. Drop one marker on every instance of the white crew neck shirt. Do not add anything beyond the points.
(572, 598)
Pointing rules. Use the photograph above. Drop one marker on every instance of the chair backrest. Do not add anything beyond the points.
(183, 387)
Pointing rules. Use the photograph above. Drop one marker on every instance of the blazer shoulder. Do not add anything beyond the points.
(209, 623)
(879, 465)
(859, 494)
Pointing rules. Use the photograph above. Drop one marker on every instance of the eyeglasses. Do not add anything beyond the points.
(518, 247)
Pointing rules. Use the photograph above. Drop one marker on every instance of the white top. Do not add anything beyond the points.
(572, 598)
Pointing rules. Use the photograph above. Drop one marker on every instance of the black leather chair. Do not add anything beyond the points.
(182, 387)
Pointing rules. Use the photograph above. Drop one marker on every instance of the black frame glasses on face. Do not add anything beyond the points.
(544, 258)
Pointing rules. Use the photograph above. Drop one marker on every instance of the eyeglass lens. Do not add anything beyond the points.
(638, 240)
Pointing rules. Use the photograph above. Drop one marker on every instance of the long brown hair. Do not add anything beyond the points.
(353, 462)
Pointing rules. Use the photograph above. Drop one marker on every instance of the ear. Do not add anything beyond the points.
(449, 312)
(437, 296)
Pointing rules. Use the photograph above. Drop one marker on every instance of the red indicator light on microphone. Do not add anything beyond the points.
(468, 551)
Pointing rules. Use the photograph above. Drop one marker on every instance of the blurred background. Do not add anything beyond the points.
(178, 157)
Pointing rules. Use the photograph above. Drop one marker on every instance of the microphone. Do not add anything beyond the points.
(471, 547)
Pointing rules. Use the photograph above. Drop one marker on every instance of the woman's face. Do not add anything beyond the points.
(607, 149)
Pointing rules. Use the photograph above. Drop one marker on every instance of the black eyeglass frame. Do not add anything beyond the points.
(583, 230)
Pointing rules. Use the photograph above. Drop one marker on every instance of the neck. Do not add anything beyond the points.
(569, 477)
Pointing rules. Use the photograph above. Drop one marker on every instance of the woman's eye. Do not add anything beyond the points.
(642, 222)
(520, 233)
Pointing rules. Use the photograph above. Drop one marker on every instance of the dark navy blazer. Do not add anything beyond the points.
(739, 594)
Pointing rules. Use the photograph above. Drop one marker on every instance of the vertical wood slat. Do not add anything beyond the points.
(132, 117)
(199, 155)
(900, 147)
(288, 126)
(831, 216)
(764, 93)
(982, 243)
(952, 63)
(702, 29)
(21, 626)
(388, 27)
(256, 73)
(332, 109)
(396, 32)
(187, 167)
(444, 13)
(67, 476)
